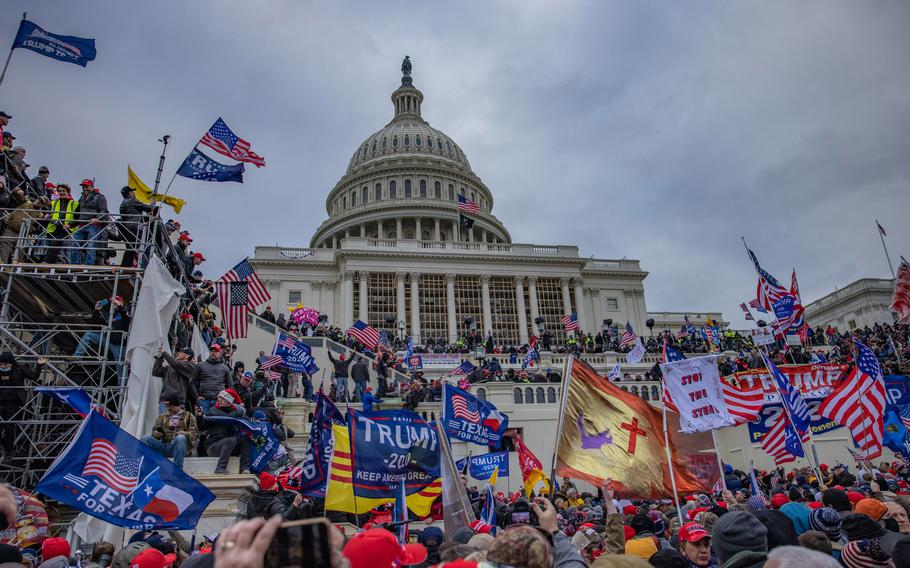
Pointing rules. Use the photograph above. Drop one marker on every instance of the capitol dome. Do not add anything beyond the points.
(404, 181)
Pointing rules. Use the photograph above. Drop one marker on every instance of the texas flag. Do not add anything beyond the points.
(493, 419)
(158, 498)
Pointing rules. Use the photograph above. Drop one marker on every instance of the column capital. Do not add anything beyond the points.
(415, 277)
(578, 282)
(348, 275)
(592, 291)
(628, 293)
(363, 276)
(450, 277)
(519, 280)
(401, 276)
(316, 285)
(329, 285)
(485, 278)
(564, 280)
(532, 280)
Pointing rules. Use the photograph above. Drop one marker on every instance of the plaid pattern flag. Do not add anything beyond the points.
(243, 272)
(365, 334)
(570, 322)
(221, 139)
(235, 301)
(467, 206)
(628, 337)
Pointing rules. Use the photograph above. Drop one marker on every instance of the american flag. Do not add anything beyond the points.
(570, 322)
(861, 461)
(104, 461)
(464, 408)
(365, 334)
(748, 314)
(757, 305)
(628, 336)
(235, 301)
(466, 368)
(244, 272)
(273, 361)
(467, 206)
(789, 396)
(858, 402)
(286, 341)
(900, 298)
(769, 289)
(782, 443)
(221, 139)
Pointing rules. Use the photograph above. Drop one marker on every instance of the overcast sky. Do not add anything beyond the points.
(661, 131)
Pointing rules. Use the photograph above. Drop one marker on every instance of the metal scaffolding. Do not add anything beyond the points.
(65, 313)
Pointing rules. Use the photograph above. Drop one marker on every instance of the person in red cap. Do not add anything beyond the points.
(778, 500)
(54, 547)
(379, 547)
(92, 216)
(153, 558)
(270, 500)
(222, 438)
(695, 544)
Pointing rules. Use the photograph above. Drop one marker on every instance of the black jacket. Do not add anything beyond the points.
(16, 377)
(267, 504)
(341, 367)
(360, 372)
(217, 430)
(176, 379)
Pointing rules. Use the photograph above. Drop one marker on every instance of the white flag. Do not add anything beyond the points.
(615, 373)
(637, 353)
(695, 388)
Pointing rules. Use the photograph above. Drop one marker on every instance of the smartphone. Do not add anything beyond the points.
(301, 544)
(521, 517)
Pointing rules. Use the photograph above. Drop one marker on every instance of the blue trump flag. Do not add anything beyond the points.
(199, 166)
(297, 356)
(320, 446)
(70, 49)
(264, 446)
(388, 446)
(482, 467)
(73, 396)
(469, 419)
(107, 473)
(792, 400)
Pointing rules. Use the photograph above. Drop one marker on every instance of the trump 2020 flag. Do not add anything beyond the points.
(111, 475)
(297, 356)
(199, 166)
(484, 465)
(70, 49)
(472, 420)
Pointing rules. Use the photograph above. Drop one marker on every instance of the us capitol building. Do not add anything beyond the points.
(393, 252)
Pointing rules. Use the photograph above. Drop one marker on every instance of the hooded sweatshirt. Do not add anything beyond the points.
(212, 377)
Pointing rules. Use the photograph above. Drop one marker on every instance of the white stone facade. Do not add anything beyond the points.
(864, 302)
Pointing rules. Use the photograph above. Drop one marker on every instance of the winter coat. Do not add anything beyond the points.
(176, 379)
(186, 422)
(16, 377)
(341, 367)
(212, 377)
(218, 430)
(360, 372)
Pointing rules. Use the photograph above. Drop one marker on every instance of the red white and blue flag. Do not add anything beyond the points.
(628, 337)
(159, 498)
(466, 368)
(782, 443)
(769, 289)
(570, 322)
(467, 206)
(221, 139)
(119, 472)
(470, 419)
(365, 334)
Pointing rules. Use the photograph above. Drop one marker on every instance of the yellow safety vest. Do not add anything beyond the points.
(67, 217)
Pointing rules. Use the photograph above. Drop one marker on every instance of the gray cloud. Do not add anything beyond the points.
(655, 131)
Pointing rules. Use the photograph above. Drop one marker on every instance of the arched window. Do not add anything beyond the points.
(417, 139)
(551, 395)
(482, 394)
(644, 393)
(529, 395)
(461, 192)
(423, 188)
(439, 144)
(407, 140)
(384, 140)
(395, 141)
(374, 147)
(473, 197)
(437, 189)
(634, 390)
(541, 398)
(407, 187)
(364, 195)
(655, 393)
(353, 199)
(516, 396)
(625, 388)
(449, 146)
(393, 190)
(409, 234)
(425, 235)
(377, 192)
(451, 192)
(344, 203)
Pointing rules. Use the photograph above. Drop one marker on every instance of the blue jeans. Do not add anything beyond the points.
(341, 388)
(176, 448)
(86, 241)
(93, 339)
(205, 404)
(359, 389)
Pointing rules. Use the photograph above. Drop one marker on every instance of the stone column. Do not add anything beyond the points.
(379, 234)
(399, 283)
(596, 309)
(328, 301)
(334, 241)
(580, 306)
(348, 311)
(316, 288)
(455, 231)
(471, 235)
(364, 307)
(450, 305)
(520, 306)
(485, 302)
(398, 232)
(436, 235)
(417, 229)
(566, 301)
(535, 307)
(363, 230)
(415, 307)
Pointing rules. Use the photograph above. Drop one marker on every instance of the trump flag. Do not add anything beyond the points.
(470, 419)
(108, 474)
(70, 49)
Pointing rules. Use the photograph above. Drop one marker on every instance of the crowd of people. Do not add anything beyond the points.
(794, 520)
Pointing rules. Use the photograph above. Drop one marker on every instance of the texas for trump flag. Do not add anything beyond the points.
(108, 474)
(470, 419)
(608, 433)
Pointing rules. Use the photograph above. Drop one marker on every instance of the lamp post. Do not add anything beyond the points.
(401, 330)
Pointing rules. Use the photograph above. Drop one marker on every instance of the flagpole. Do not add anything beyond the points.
(720, 464)
(881, 234)
(566, 372)
(663, 406)
(13, 47)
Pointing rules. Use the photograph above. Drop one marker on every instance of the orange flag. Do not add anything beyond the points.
(610, 433)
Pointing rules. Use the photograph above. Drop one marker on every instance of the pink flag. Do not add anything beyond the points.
(305, 315)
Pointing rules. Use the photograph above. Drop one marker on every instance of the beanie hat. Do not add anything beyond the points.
(629, 532)
(858, 526)
(779, 500)
(629, 510)
(865, 553)
(738, 531)
(871, 507)
(643, 547)
(855, 497)
(267, 481)
(226, 396)
(125, 555)
(756, 502)
(53, 547)
(827, 521)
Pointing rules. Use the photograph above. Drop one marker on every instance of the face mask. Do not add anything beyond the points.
(5, 369)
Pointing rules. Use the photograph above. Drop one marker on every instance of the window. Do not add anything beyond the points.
(294, 297)
(417, 139)
(374, 147)
(540, 396)
(473, 197)
(407, 184)
(407, 140)
(529, 395)
(423, 188)
(451, 192)
(439, 144)
(851, 324)
(449, 146)
(461, 192)
(517, 398)
(364, 195)
(384, 140)
(613, 304)
(551, 395)
(482, 394)
(344, 203)
(393, 190)
(437, 190)
(377, 192)
(381, 298)
(353, 199)
(395, 141)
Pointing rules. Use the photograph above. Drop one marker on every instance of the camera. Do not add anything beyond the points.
(522, 513)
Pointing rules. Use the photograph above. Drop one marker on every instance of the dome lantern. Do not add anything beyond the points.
(407, 99)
